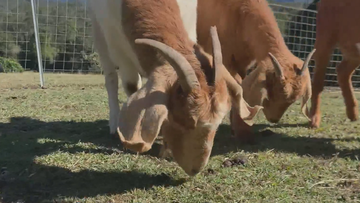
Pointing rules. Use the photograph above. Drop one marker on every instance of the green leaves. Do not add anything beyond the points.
(10, 65)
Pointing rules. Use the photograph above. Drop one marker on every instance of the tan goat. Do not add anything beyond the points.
(336, 25)
(250, 35)
(188, 92)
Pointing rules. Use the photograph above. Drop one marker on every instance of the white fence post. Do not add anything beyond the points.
(37, 40)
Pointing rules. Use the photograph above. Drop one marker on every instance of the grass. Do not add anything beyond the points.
(56, 147)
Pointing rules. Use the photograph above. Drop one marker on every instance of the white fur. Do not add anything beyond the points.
(189, 16)
(115, 50)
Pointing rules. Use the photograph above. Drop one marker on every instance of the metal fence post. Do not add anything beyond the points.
(37, 40)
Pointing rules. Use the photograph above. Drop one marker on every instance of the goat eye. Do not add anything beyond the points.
(179, 90)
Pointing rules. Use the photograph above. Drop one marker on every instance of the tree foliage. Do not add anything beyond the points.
(10, 66)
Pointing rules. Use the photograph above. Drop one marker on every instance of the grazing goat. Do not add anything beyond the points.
(336, 25)
(250, 35)
(188, 92)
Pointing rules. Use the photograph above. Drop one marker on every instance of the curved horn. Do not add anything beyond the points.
(278, 68)
(306, 62)
(185, 72)
(216, 49)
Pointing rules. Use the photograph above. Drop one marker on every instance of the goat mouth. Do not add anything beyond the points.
(269, 118)
(273, 120)
(193, 172)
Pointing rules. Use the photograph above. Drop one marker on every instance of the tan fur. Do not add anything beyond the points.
(336, 25)
(138, 22)
(187, 120)
(249, 32)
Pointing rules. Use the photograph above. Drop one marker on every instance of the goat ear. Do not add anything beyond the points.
(247, 113)
(205, 64)
(141, 118)
(264, 95)
(254, 88)
(306, 97)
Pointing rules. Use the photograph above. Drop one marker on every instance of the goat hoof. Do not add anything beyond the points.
(352, 115)
(114, 136)
(315, 121)
(314, 124)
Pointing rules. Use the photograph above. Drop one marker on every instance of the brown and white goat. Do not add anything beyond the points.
(250, 35)
(188, 92)
(336, 25)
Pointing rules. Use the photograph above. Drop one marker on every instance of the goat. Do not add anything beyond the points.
(250, 36)
(336, 25)
(188, 92)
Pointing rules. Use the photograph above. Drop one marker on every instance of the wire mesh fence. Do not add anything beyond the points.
(14, 33)
(298, 26)
(65, 36)
(67, 44)
(64, 30)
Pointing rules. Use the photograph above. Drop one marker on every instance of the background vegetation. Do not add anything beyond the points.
(64, 35)
(67, 46)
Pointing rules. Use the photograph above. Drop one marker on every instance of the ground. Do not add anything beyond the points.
(55, 147)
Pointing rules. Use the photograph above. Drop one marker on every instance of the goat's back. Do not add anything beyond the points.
(247, 30)
(338, 21)
(123, 21)
(159, 20)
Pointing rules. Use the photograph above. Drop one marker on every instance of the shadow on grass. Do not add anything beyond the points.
(316, 147)
(21, 142)
(52, 182)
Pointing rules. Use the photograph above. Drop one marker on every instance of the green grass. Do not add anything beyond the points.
(56, 146)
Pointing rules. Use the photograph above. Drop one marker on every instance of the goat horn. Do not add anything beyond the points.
(277, 66)
(217, 55)
(306, 62)
(185, 72)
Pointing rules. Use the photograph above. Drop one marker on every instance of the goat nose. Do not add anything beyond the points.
(195, 171)
(273, 120)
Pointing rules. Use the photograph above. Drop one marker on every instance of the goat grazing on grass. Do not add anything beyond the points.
(188, 92)
(250, 35)
(336, 25)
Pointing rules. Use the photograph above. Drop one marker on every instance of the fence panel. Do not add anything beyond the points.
(65, 35)
(298, 27)
(67, 44)
(14, 33)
